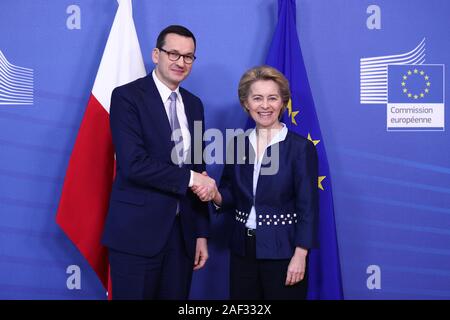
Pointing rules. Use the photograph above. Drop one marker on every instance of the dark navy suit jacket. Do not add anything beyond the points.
(286, 203)
(148, 185)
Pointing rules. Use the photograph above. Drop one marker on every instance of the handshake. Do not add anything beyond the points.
(205, 188)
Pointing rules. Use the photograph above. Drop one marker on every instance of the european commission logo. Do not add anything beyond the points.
(16, 83)
(412, 91)
(415, 97)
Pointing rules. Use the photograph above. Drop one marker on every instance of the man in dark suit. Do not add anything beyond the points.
(156, 228)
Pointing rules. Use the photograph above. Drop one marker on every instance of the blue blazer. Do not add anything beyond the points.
(148, 185)
(286, 203)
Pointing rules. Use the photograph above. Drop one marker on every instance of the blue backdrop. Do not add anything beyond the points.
(391, 188)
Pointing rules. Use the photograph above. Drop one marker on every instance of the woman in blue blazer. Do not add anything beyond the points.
(269, 183)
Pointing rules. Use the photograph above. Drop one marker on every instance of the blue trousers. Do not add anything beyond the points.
(167, 275)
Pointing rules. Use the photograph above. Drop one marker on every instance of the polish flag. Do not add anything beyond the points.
(87, 186)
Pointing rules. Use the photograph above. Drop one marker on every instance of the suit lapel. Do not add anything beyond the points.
(188, 111)
(190, 117)
(152, 100)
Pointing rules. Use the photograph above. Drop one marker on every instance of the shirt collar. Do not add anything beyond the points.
(280, 136)
(164, 91)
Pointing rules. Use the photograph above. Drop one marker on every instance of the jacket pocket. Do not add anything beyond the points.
(128, 197)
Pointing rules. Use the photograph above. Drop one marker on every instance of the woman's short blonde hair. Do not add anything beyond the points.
(264, 73)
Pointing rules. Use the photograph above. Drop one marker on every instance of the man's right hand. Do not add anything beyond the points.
(204, 186)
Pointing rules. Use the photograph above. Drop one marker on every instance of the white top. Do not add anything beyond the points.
(280, 136)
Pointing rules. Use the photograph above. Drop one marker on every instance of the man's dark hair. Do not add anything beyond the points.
(180, 30)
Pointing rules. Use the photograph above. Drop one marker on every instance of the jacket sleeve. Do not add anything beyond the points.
(136, 164)
(307, 196)
(227, 179)
(225, 187)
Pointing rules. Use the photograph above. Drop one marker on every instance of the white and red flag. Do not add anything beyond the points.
(87, 186)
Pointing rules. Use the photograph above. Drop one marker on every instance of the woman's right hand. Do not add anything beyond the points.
(205, 194)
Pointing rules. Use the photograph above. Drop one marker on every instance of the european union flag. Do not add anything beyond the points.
(285, 55)
(411, 83)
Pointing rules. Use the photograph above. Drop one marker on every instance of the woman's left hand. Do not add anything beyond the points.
(296, 268)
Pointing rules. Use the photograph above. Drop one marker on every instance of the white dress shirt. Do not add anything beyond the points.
(165, 92)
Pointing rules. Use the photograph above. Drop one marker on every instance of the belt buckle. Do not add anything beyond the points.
(250, 232)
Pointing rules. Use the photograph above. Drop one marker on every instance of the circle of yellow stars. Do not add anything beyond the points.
(415, 95)
(291, 115)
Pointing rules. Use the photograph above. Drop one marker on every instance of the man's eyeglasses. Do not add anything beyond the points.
(174, 56)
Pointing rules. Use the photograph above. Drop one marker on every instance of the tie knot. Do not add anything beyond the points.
(173, 96)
